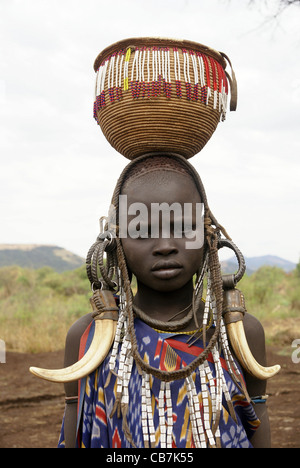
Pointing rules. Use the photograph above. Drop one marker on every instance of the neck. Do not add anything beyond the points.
(164, 305)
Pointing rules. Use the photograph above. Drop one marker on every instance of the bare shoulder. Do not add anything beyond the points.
(252, 324)
(255, 335)
(72, 348)
(73, 338)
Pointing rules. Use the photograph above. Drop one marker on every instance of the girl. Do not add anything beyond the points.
(170, 379)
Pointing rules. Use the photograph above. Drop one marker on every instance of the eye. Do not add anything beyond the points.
(190, 229)
(138, 230)
(142, 237)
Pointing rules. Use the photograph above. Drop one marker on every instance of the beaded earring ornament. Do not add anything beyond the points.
(143, 83)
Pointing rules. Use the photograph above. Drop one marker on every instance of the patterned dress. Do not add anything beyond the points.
(97, 428)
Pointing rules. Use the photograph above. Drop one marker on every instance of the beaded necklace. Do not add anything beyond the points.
(206, 433)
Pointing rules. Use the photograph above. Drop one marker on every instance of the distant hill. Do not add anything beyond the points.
(37, 256)
(254, 263)
(269, 260)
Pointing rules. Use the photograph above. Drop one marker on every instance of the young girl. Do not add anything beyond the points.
(170, 379)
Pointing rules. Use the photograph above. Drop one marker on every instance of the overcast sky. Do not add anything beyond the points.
(57, 170)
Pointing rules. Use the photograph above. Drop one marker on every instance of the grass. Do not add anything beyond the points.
(273, 296)
(37, 307)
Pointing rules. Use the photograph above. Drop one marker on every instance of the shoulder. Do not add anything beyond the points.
(73, 338)
(255, 336)
(72, 348)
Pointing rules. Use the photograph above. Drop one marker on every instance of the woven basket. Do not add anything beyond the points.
(160, 95)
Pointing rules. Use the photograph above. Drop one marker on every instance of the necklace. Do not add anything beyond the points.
(166, 326)
(196, 334)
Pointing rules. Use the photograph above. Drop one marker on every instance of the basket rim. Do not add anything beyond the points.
(156, 42)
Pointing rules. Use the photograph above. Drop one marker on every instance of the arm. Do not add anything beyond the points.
(256, 339)
(71, 388)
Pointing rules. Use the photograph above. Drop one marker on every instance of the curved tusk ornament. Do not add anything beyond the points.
(233, 313)
(103, 338)
(104, 334)
(240, 346)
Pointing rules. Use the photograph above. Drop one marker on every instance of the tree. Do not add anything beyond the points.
(282, 5)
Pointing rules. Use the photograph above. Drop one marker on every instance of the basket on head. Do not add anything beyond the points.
(161, 95)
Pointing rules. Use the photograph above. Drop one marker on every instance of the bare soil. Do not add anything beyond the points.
(31, 409)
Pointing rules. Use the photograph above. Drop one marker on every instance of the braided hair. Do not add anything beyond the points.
(116, 272)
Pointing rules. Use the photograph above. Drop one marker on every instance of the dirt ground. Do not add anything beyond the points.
(31, 409)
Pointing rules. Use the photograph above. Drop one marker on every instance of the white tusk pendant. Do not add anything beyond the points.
(104, 334)
(103, 338)
(242, 351)
(233, 313)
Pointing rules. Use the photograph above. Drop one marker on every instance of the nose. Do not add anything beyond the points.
(164, 246)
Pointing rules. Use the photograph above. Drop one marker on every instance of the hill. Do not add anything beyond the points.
(254, 263)
(37, 256)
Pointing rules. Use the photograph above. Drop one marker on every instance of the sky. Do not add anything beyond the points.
(58, 171)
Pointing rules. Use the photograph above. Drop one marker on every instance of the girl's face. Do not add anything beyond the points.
(163, 251)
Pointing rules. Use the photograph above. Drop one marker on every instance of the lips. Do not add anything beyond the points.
(165, 265)
(166, 269)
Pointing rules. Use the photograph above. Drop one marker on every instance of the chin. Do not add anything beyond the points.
(170, 285)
